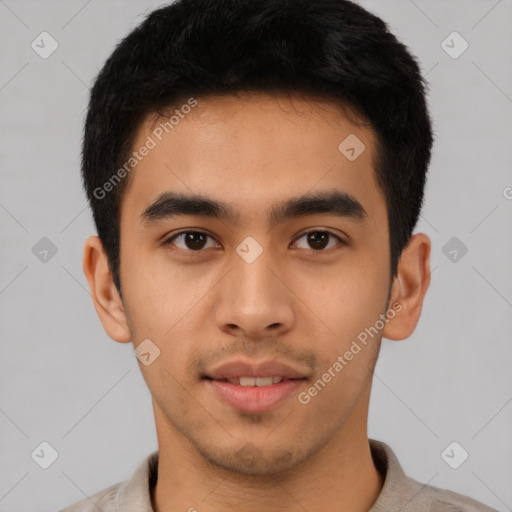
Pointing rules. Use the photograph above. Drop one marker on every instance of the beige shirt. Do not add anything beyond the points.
(399, 493)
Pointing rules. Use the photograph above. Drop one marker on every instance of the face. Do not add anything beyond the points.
(269, 285)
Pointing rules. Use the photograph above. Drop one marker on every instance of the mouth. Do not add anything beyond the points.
(260, 382)
(254, 394)
(254, 386)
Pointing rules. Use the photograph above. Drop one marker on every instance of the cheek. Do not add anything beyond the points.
(161, 302)
(345, 298)
(158, 292)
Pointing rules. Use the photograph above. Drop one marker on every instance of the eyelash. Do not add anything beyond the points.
(168, 241)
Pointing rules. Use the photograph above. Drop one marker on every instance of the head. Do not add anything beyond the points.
(244, 110)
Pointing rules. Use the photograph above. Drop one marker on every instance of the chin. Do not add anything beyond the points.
(251, 460)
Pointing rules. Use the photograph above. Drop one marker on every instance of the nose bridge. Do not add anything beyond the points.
(254, 279)
(253, 298)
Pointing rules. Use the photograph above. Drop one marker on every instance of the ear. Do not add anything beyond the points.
(107, 301)
(409, 288)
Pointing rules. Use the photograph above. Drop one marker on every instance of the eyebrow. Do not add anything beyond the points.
(171, 204)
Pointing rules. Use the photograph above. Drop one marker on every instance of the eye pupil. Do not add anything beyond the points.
(191, 240)
(318, 239)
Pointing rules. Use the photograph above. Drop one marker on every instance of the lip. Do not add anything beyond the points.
(239, 368)
(252, 398)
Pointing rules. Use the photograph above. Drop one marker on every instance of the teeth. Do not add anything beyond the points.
(263, 381)
(256, 381)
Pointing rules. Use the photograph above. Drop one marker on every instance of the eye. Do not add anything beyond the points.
(195, 241)
(191, 241)
(319, 240)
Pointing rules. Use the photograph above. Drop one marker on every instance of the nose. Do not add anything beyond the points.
(255, 299)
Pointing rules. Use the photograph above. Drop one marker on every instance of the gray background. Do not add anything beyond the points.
(65, 382)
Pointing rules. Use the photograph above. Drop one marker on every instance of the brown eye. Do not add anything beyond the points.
(319, 240)
(192, 241)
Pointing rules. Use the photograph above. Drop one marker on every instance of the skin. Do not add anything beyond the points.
(205, 307)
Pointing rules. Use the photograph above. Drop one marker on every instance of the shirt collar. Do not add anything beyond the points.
(134, 495)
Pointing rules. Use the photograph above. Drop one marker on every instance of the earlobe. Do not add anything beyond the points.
(106, 299)
(409, 287)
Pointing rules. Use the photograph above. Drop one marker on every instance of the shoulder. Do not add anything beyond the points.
(434, 499)
(403, 493)
(130, 495)
(103, 500)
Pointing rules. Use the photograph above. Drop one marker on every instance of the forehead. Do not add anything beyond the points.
(250, 150)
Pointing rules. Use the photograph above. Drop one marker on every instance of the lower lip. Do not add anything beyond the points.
(254, 398)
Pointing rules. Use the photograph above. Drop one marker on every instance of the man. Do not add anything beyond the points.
(255, 171)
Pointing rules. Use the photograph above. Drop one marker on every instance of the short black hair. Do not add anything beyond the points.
(329, 49)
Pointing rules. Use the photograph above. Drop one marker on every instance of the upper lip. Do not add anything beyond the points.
(236, 369)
